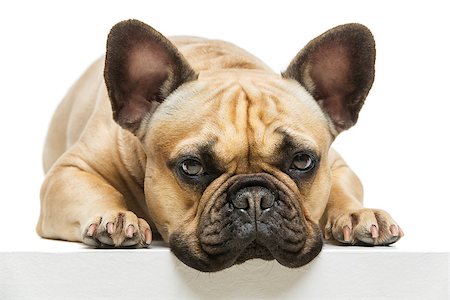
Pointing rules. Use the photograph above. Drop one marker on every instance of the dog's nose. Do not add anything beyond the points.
(253, 196)
(253, 193)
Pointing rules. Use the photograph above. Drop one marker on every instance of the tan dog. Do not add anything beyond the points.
(225, 159)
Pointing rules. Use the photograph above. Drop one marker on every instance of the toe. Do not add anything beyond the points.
(110, 227)
(148, 236)
(346, 232)
(374, 232)
(130, 231)
(92, 230)
(342, 229)
(366, 226)
(394, 230)
(145, 233)
(390, 232)
(89, 234)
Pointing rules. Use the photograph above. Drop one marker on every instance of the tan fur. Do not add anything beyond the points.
(85, 139)
(95, 169)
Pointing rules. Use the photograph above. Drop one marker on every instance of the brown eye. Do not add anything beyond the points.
(302, 162)
(191, 167)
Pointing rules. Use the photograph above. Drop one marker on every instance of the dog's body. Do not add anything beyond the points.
(110, 180)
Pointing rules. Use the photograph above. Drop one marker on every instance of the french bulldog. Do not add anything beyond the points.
(200, 143)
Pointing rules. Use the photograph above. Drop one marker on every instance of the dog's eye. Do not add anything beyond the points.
(191, 167)
(303, 162)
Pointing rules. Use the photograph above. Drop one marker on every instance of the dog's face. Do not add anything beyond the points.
(241, 172)
(237, 159)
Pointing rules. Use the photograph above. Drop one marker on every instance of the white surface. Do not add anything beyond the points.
(61, 270)
(399, 147)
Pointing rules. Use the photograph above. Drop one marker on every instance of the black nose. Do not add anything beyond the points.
(252, 192)
(253, 196)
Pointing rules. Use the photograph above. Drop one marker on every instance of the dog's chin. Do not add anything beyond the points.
(190, 252)
(254, 250)
(198, 259)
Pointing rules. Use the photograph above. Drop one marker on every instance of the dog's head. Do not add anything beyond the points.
(237, 159)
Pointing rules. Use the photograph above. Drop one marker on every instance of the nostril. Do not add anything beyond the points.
(267, 200)
(241, 199)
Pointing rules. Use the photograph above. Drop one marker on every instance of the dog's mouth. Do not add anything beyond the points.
(254, 250)
(257, 217)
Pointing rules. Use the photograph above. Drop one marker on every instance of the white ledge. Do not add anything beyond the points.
(62, 270)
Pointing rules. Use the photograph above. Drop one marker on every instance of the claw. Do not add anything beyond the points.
(374, 231)
(148, 237)
(346, 232)
(91, 230)
(110, 227)
(130, 231)
(394, 230)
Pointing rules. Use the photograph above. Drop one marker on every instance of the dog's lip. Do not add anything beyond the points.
(253, 251)
(202, 261)
(217, 257)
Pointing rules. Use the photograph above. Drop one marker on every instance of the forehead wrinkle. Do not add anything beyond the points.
(231, 107)
(232, 124)
(302, 114)
(265, 114)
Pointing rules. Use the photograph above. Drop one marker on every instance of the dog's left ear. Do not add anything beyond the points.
(142, 68)
(338, 69)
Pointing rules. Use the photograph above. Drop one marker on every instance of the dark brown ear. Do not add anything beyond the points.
(338, 69)
(142, 68)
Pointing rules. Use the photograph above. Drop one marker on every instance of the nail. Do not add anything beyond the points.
(148, 237)
(394, 230)
(346, 231)
(110, 227)
(130, 231)
(374, 231)
(91, 230)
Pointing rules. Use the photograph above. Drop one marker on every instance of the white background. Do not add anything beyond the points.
(399, 147)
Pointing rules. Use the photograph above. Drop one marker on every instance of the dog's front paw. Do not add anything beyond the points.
(117, 229)
(367, 226)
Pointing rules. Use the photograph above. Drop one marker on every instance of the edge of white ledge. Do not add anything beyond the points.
(49, 269)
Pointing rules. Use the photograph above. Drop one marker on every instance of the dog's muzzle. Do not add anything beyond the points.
(256, 216)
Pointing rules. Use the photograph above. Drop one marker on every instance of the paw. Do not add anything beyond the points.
(117, 229)
(366, 226)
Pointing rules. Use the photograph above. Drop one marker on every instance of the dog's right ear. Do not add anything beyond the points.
(142, 68)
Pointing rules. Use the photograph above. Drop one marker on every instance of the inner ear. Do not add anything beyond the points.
(142, 68)
(148, 69)
(332, 81)
(337, 68)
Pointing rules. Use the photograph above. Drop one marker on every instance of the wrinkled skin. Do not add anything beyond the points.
(228, 235)
(201, 143)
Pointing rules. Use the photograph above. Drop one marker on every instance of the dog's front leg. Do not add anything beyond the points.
(346, 220)
(79, 205)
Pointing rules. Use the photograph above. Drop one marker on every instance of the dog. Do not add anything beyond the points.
(199, 143)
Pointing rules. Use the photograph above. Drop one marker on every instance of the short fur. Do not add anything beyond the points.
(116, 145)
